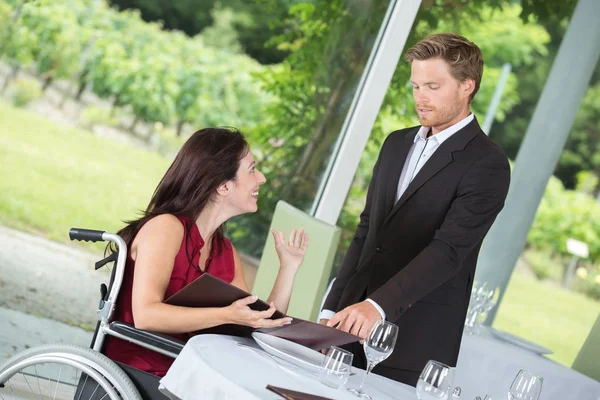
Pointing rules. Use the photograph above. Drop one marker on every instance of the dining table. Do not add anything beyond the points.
(230, 367)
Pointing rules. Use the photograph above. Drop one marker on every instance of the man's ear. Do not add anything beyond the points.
(467, 87)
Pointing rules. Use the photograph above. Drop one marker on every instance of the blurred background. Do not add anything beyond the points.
(96, 97)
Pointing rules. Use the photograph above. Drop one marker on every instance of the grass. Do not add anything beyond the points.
(54, 177)
(548, 315)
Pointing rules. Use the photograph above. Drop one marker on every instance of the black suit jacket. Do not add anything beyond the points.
(416, 257)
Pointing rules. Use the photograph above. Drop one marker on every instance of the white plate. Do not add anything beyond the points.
(291, 352)
(519, 341)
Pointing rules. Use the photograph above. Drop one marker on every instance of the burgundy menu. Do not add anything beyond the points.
(209, 291)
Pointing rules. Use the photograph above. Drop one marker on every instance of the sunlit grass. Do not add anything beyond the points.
(553, 317)
(54, 177)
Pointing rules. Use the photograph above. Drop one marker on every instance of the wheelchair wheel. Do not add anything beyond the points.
(64, 371)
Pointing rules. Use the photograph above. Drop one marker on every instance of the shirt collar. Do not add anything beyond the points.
(440, 137)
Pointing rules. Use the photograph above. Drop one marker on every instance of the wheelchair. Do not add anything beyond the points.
(67, 371)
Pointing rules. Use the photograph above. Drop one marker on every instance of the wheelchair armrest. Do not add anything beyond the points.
(152, 339)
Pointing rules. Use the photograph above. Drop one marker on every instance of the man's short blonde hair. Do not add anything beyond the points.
(463, 57)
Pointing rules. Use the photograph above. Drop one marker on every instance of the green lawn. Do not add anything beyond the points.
(54, 177)
(548, 315)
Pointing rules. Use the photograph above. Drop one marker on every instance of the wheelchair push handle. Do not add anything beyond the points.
(87, 235)
(119, 257)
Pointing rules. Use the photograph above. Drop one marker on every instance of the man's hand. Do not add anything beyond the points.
(357, 319)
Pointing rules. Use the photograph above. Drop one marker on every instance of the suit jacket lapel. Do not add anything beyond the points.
(395, 169)
(440, 158)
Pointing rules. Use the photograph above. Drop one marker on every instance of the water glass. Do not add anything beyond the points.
(526, 386)
(335, 367)
(435, 381)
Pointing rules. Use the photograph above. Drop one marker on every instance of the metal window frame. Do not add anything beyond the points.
(380, 68)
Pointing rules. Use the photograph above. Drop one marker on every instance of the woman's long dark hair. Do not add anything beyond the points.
(209, 158)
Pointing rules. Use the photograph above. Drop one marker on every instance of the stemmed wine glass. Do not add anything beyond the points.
(435, 381)
(526, 386)
(378, 346)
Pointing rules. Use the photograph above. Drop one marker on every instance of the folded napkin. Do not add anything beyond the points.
(294, 395)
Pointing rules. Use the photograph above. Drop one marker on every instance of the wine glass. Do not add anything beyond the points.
(526, 386)
(335, 368)
(378, 346)
(435, 381)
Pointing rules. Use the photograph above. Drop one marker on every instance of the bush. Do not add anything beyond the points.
(25, 91)
(589, 285)
(544, 265)
(565, 214)
(168, 143)
(587, 280)
(98, 116)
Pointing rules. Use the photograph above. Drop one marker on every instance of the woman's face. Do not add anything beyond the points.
(244, 190)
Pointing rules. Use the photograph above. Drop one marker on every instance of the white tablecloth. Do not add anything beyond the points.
(216, 367)
(488, 365)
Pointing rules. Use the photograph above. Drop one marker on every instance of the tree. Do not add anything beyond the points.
(329, 43)
(254, 22)
(582, 150)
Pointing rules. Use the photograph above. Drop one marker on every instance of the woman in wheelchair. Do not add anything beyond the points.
(180, 236)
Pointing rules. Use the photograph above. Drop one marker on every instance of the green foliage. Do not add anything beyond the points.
(222, 33)
(588, 285)
(584, 140)
(159, 76)
(582, 150)
(587, 181)
(168, 143)
(252, 23)
(25, 91)
(6, 15)
(330, 43)
(548, 10)
(93, 115)
(48, 34)
(564, 214)
(189, 16)
(544, 265)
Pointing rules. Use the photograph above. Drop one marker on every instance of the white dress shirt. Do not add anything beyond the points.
(422, 149)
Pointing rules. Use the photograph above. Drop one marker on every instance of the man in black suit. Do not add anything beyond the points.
(436, 190)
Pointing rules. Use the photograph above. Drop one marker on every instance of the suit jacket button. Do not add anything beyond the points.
(379, 249)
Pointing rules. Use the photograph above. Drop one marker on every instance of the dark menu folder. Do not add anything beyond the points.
(288, 394)
(209, 291)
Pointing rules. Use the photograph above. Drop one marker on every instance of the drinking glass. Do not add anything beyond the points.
(435, 381)
(378, 346)
(526, 386)
(335, 367)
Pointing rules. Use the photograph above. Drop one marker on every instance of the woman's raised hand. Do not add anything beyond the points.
(291, 252)
(241, 314)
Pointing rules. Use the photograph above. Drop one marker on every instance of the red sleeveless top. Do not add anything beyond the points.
(220, 263)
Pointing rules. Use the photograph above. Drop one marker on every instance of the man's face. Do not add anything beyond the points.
(441, 100)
